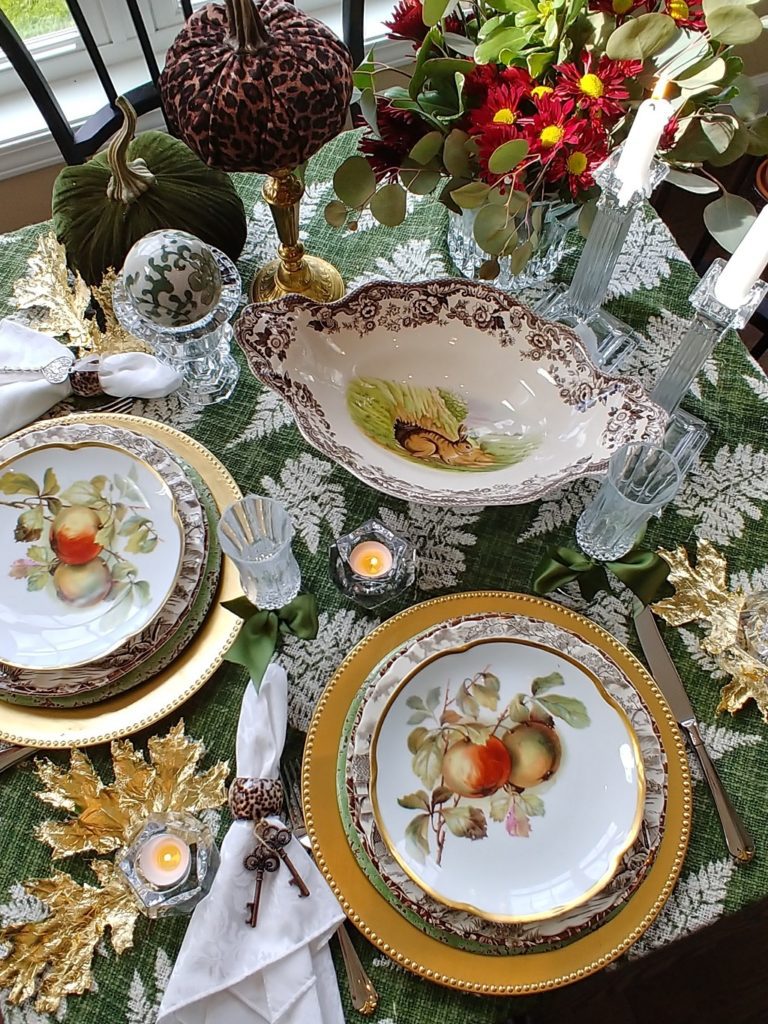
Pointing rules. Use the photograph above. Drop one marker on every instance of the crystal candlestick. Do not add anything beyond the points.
(372, 564)
(711, 322)
(200, 350)
(607, 338)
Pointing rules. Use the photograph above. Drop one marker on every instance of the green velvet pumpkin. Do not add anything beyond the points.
(155, 181)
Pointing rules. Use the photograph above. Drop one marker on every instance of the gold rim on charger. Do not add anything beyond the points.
(384, 926)
(143, 705)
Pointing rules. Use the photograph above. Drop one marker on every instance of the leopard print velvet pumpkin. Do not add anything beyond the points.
(256, 87)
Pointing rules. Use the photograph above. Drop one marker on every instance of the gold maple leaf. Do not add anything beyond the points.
(106, 816)
(53, 957)
(114, 337)
(58, 307)
(749, 682)
(702, 594)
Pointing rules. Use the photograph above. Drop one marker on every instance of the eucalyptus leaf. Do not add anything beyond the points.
(354, 181)
(691, 182)
(731, 23)
(493, 230)
(719, 131)
(455, 157)
(757, 136)
(471, 196)
(708, 73)
(335, 214)
(746, 104)
(388, 205)
(737, 147)
(518, 261)
(507, 156)
(368, 109)
(489, 270)
(427, 147)
(639, 38)
(419, 180)
(685, 50)
(728, 219)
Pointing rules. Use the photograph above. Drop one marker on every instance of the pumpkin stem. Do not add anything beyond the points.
(246, 29)
(129, 179)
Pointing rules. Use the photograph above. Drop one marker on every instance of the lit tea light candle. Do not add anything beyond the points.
(165, 860)
(744, 269)
(634, 167)
(370, 558)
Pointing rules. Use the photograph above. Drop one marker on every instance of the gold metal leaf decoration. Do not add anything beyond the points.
(114, 337)
(57, 307)
(702, 595)
(107, 815)
(51, 959)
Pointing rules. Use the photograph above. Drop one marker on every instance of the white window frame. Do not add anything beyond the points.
(67, 67)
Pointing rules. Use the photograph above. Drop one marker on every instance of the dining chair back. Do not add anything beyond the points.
(76, 145)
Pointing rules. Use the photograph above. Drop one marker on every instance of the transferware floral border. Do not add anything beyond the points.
(266, 334)
(106, 670)
(458, 927)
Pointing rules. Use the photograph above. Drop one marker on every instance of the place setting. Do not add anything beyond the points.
(398, 644)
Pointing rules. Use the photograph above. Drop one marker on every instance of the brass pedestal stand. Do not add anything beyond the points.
(293, 272)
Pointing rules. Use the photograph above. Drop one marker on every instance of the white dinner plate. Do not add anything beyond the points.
(91, 546)
(506, 781)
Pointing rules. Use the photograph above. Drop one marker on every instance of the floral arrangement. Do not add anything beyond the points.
(511, 105)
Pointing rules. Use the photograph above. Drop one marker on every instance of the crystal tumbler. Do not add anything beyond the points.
(641, 480)
(256, 534)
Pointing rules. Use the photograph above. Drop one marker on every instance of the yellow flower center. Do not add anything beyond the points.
(551, 135)
(577, 163)
(545, 8)
(621, 6)
(592, 86)
(678, 9)
(541, 90)
(504, 116)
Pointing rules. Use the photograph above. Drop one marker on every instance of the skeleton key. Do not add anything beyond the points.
(262, 859)
(277, 839)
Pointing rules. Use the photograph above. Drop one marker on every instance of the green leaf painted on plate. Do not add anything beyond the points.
(570, 709)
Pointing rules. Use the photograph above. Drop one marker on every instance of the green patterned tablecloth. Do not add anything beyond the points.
(725, 500)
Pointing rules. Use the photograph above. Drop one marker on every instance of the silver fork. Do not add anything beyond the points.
(364, 996)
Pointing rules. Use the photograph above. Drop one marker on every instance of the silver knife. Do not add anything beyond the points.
(671, 685)
(10, 755)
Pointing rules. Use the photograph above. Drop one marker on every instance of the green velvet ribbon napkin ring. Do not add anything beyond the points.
(263, 629)
(643, 571)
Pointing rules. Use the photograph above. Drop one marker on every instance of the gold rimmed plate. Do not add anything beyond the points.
(506, 781)
(380, 922)
(128, 712)
(93, 545)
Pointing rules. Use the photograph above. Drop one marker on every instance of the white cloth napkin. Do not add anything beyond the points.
(281, 970)
(25, 396)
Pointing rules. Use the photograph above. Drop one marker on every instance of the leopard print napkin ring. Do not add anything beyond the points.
(254, 799)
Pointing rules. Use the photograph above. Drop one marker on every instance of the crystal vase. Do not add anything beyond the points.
(468, 257)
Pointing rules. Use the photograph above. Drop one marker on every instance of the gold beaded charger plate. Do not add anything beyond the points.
(126, 713)
(381, 923)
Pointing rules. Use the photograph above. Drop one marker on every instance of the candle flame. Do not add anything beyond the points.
(660, 89)
(168, 857)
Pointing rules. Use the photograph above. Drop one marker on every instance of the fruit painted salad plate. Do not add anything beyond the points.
(506, 781)
(445, 391)
(92, 546)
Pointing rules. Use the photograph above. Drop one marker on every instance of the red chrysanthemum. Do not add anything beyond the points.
(400, 130)
(407, 21)
(552, 127)
(597, 88)
(667, 139)
(687, 13)
(619, 8)
(497, 120)
(579, 159)
(482, 77)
